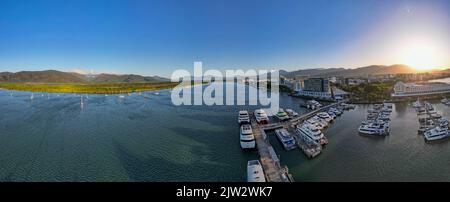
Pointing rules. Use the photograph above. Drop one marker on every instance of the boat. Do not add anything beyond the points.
(32, 96)
(325, 116)
(243, 117)
(346, 106)
(255, 172)
(417, 104)
(443, 122)
(247, 138)
(312, 104)
(436, 133)
(444, 101)
(308, 133)
(121, 96)
(335, 111)
(374, 129)
(282, 115)
(435, 116)
(315, 123)
(261, 116)
(286, 139)
(291, 113)
(429, 106)
(332, 115)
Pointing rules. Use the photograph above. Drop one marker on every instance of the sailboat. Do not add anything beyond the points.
(32, 96)
(81, 102)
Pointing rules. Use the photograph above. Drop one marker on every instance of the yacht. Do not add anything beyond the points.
(444, 101)
(335, 111)
(286, 139)
(436, 133)
(417, 104)
(315, 123)
(325, 116)
(291, 113)
(332, 115)
(247, 137)
(255, 172)
(443, 122)
(32, 96)
(435, 116)
(321, 121)
(348, 106)
(243, 117)
(309, 133)
(261, 116)
(312, 104)
(374, 129)
(282, 115)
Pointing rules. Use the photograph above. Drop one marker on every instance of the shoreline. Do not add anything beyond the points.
(87, 88)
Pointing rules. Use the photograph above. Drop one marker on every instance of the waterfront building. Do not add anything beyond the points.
(317, 85)
(402, 89)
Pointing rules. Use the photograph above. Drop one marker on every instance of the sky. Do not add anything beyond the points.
(150, 37)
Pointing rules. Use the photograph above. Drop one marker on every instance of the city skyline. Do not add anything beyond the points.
(158, 37)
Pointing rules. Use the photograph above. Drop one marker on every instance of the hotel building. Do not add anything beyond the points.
(416, 89)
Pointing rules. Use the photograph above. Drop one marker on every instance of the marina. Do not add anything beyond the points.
(121, 133)
(305, 139)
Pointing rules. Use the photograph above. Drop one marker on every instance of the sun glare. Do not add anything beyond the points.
(420, 56)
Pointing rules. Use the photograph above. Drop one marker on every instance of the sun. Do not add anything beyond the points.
(420, 56)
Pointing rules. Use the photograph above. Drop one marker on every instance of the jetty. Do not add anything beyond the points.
(270, 162)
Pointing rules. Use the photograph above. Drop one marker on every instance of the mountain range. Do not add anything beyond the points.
(357, 72)
(53, 76)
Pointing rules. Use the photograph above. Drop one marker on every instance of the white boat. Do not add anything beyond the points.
(444, 101)
(255, 172)
(32, 96)
(417, 104)
(243, 117)
(315, 123)
(435, 116)
(332, 115)
(309, 133)
(346, 106)
(436, 133)
(325, 116)
(322, 122)
(335, 111)
(374, 129)
(286, 139)
(121, 96)
(291, 112)
(261, 116)
(282, 115)
(247, 138)
(312, 104)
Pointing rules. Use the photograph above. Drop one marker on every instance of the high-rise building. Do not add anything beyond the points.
(317, 85)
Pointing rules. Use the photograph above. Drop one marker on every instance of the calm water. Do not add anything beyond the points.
(138, 139)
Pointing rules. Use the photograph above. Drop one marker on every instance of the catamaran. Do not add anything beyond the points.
(286, 139)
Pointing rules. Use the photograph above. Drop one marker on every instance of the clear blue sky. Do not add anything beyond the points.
(156, 37)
